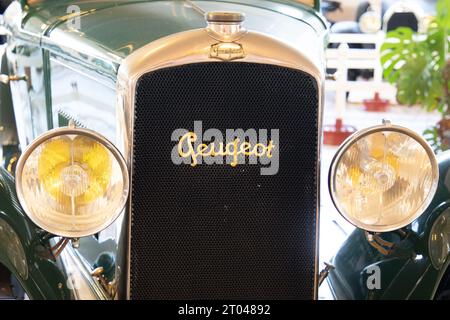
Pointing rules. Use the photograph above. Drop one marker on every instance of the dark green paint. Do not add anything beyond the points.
(317, 5)
(8, 134)
(43, 274)
(47, 83)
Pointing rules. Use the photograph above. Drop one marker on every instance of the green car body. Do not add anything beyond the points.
(110, 31)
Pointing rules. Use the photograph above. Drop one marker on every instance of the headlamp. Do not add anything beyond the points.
(370, 22)
(72, 182)
(383, 178)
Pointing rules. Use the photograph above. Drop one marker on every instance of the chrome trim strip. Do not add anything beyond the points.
(81, 70)
(194, 47)
(84, 286)
(321, 88)
(333, 293)
(362, 133)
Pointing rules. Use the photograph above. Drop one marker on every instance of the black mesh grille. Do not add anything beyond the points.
(214, 231)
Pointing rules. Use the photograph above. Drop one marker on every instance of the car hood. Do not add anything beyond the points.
(120, 27)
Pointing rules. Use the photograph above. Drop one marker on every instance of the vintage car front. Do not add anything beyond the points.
(169, 149)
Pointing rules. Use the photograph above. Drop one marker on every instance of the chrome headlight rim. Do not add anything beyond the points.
(46, 136)
(387, 126)
(366, 16)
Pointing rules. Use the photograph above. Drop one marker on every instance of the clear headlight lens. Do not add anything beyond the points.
(72, 182)
(439, 241)
(383, 178)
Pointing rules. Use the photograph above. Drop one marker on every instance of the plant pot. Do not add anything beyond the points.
(376, 104)
(334, 135)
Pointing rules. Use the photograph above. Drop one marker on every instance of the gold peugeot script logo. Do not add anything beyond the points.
(227, 51)
(233, 149)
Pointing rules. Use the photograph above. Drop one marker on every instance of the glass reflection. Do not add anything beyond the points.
(383, 179)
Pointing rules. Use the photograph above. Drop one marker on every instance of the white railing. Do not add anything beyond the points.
(343, 58)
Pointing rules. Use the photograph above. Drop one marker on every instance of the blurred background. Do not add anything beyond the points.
(386, 59)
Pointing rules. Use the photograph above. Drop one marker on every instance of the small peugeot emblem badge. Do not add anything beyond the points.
(227, 51)
(226, 27)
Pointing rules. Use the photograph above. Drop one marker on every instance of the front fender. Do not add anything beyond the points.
(22, 250)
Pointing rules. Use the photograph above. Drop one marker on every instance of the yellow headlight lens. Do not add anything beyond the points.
(72, 184)
(80, 167)
(384, 178)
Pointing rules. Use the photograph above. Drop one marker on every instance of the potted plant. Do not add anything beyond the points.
(419, 66)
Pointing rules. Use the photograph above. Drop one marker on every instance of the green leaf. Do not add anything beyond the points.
(432, 137)
(415, 63)
(412, 81)
(398, 47)
(443, 13)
